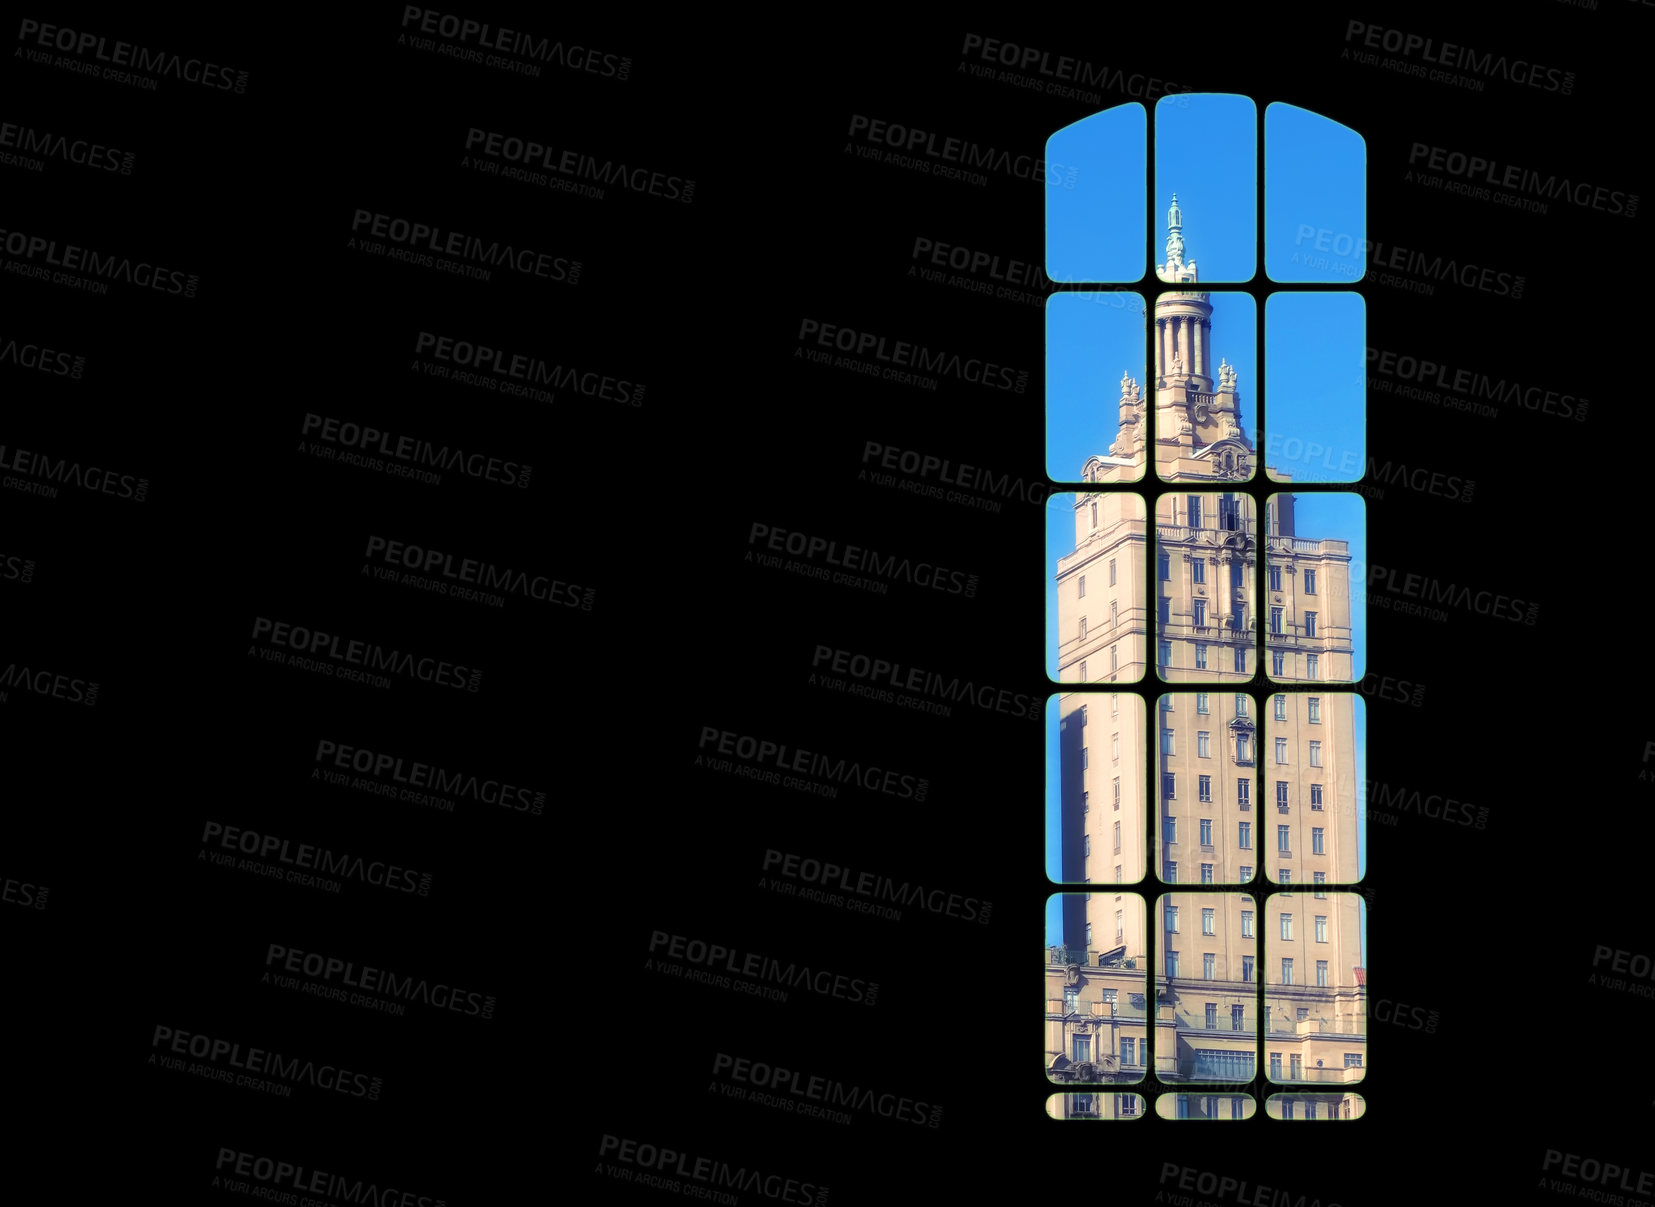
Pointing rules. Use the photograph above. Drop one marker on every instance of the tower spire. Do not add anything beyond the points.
(1175, 269)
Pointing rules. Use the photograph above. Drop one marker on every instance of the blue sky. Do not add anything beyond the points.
(1315, 175)
(1097, 229)
(1206, 151)
(1315, 345)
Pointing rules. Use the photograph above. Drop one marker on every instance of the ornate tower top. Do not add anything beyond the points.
(1175, 269)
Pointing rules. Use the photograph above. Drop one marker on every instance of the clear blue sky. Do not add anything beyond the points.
(1091, 339)
(1315, 175)
(1342, 515)
(1206, 151)
(1096, 230)
(1315, 347)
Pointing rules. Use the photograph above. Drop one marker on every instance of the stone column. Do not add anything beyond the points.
(1184, 343)
(1166, 346)
(1159, 372)
(1200, 350)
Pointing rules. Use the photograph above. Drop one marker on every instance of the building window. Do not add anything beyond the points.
(1115, 747)
(1201, 702)
(1203, 740)
(1166, 567)
(1244, 749)
(1244, 793)
(1166, 653)
(1117, 836)
(1281, 794)
(1241, 661)
(1284, 876)
(1246, 924)
(1117, 792)
(1071, 1001)
(1085, 802)
(1195, 511)
(1094, 515)
(1238, 1106)
(1315, 796)
(1302, 1013)
(1209, 922)
(1353, 1060)
(1316, 841)
(1120, 924)
(1126, 1104)
(1321, 878)
(1295, 1067)
(1206, 873)
(1172, 963)
(1172, 873)
(1212, 1014)
(1109, 996)
(1198, 570)
(1287, 975)
(1244, 835)
(1083, 670)
(1278, 663)
(1246, 968)
(1117, 881)
(1169, 830)
(1083, 628)
(1275, 1075)
(1083, 714)
(1200, 656)
(1275, 620)
(1204, 787)
(1085, 757)
(1088, 936)
(1321, 928)
(1082, 1049)
(1310, 624)
(1200, 611)
(1115, 704)
(1127, 1050)
(1275, 578)
(1206, 831)
(1114, 659)
(1314, 704)
(1209, 962)
(1286, 1106)
(1315, 754)
(1281, 750)
(1310, 1109)
(1286, 927)
(1111, 572)
(1246, 872)
(1169, 785)
(1083, 586)
(1312, 662)
(1310, 582)
(1086, 840)
(1281, 707)
(1321, 973)
(1166, 741)
(1114, 614)
(1163, 611)
(1284, 839)
(1172, 919)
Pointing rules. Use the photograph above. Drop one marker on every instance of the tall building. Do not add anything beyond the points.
(1248, 792)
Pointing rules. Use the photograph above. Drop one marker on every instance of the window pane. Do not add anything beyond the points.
(1206, 151)
(1314, 366)
(1315, 198)
(1096, 226)
(1093, 341)
(1204, 374)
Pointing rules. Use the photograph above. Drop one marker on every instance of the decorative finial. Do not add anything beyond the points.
(1173, 269)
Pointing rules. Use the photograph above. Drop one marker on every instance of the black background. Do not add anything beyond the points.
(1491, 930)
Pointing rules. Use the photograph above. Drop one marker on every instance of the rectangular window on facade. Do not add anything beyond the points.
(1203, 744)
(1086, 840)
(1169, 785)
(1287, 926)
(1206, 831)
(1083, 586)
(1205, 788)
(1209, 922)
(1117, 836)
(1083, 628)
(1244, 835)
(1287, 974)
(1212, 1015)
(1201, 703)
(1085, 802)
(1115, 704)
(1165, 654)
(1353, 1060)
(1310, 624)
(1115, 747)
(1275, 1075)
(1315, 796)
(1275, 578)
(1082, 1049)
(1206, 873)
(1085, 758)
(1083, 714)
(1209, 962)
(1321, 878)
(1071, 1001)
(1114, 659)
(1241, 704)
(1166, 567)
(1310, 582)
(1314, 705)
(1200, 611)
(1169, 830)
(1284, 838)
(1172, 963)
(1281, 794)
(1281, 750)
(1312, 663)
(1120, 920)
(1321, 973)
(1246, 872)
(1111, 572)
(1117, 792)
(1275, 620)
(1083, 670)
(1195, 511)
(1278, 661)
(1246, 968)
(1172, 919)
(1246, 924)
(1295, 1067)
(1198, 570)
(1281, 707)
(1284, 876)
(1321, 928)
(1240, 661)
(1315, 754)
(1166, 741)
(1172, 873)
(1244, 793)
(1317, 835)
(1200, 656)
(1163, 612)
